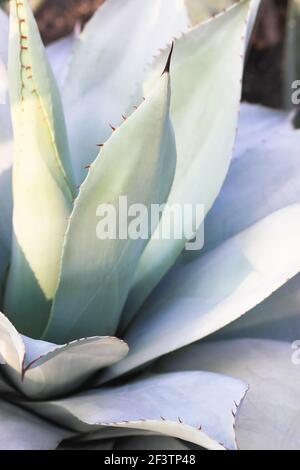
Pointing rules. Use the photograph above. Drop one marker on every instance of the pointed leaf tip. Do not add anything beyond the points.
(168, 64)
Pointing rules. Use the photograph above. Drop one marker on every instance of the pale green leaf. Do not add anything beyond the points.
(109, 59)
(3, 35)
(21, 430)
(210, 292)
(138, 162)
(43, 370)
(42, 188)
(59, 55)
(263, 177)
(278, 317)
(268, 418)
(6, 149)
(206, 76)
(12, 349)
(196, 407)
(6, 155)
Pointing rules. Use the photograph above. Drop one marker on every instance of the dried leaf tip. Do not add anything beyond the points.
(168, 64)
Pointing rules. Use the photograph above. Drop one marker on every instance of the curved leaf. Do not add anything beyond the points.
(264, 175)
(12, 349)
(210, 292)
(268, 418)
(278, 317)
(6, 150)
(20, 430)
(165, 403)
(108, 61)
(138, 162)
(43, 370)
(6, 156)
(42, 188)
(204, 111)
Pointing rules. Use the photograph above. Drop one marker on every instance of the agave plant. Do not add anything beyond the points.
(101, 341)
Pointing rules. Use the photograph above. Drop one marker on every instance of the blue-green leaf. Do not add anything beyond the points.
(109, 59)
(21, 430)
(198, 407)
(43, 370)
(137, 162)
(268, 418)
(206, 76)
(211, 291)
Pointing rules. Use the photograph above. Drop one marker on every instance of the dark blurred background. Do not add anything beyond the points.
(264, 77)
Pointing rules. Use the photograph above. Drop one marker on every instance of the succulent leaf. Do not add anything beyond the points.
(267, 419)
(4, 25)
(12, 349)
(108, 61)
(276, 318)
(6, 151)
(215, 289)
(42, 182)
(59, 55)
(6, 155)
(206, 87)
(21, 430)
(166, 404)
(43, 370)
(137, 161)
(266, 139)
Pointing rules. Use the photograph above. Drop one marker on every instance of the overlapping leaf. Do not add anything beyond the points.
(206, 88)
(206, 294)
(43, 370)
(268, 417)
(21, 430)
(138, 163)
(6, 150)
(42, 183)
(196, 407)
(108, 61)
